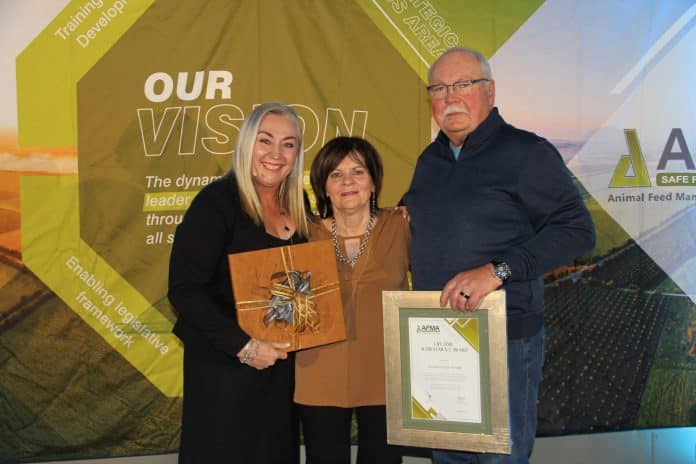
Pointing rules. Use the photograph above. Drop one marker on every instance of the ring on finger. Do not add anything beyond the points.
(465, 295)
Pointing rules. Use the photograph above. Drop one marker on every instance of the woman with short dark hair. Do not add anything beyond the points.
(371, 247)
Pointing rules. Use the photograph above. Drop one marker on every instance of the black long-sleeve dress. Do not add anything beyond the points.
(232, 412)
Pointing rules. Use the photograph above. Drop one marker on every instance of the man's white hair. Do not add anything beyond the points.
(485, 67)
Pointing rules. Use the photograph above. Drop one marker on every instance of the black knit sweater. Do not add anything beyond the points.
(508, 197)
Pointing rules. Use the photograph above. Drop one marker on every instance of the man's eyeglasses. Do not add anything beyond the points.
(461, 88)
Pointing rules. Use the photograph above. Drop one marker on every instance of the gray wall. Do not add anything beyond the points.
(657, 446)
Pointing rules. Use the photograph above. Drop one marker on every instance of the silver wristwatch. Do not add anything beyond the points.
(501, 270)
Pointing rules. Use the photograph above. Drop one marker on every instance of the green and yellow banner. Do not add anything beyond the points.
(117, 112)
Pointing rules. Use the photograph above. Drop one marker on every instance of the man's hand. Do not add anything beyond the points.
(465, 290)
(404, 212)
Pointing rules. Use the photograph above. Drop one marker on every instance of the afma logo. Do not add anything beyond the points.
(428, 328)
(632, 171)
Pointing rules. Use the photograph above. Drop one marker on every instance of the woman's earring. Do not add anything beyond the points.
(373, 202)
(325, 213)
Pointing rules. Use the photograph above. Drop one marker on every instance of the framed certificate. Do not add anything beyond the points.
(446, 373)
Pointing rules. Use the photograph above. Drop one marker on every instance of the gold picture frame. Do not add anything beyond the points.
(431, 354)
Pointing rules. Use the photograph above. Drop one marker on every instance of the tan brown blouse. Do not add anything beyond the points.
(351, 373)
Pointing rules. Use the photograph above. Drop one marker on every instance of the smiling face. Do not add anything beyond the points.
(459, 115)
(349, 185)
(275, 151)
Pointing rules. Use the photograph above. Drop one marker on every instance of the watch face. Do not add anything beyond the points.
(502, 271)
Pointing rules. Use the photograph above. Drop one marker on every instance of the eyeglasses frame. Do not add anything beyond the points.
(464, 84)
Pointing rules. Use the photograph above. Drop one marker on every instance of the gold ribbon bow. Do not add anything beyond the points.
(286, 292)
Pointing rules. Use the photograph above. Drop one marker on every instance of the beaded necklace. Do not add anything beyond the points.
(361, 248)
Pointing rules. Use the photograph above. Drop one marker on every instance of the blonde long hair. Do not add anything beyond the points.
(291, 193)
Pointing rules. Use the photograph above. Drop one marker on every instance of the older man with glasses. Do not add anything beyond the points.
(492, 206)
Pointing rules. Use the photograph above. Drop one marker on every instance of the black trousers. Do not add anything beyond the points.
(326, 432)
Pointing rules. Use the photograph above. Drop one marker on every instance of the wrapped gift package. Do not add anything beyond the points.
(289, 294)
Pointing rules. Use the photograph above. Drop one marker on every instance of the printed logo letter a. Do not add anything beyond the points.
(635, 160)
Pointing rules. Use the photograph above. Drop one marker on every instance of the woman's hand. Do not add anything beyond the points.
(261, 354)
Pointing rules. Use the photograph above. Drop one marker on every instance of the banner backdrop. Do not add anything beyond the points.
(125, 109)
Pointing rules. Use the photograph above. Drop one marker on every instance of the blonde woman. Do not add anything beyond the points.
(238, 390)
